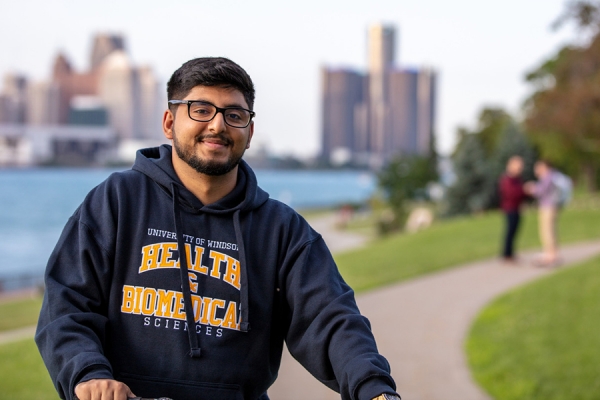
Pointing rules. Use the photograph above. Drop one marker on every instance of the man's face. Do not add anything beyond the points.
(540, 169)
(212, 148)
(515, 166)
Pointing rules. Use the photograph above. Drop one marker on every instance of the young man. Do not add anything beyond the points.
(126, 311)
(511, 197)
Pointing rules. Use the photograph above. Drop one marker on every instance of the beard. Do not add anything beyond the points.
(207, 167)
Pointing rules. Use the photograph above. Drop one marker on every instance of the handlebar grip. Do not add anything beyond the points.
(145, 398)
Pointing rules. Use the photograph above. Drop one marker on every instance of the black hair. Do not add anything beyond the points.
(210, 71)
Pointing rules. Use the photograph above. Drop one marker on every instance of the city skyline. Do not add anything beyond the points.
(81, 117)
(369, 117)
(481, 52)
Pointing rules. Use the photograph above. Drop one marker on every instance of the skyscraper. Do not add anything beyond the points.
(70, 84)
(43, 101)
(104, 45)
(381, 60)
(118, 87)
(150, 104)
(404, 89)
(14, 99)
(342, 93)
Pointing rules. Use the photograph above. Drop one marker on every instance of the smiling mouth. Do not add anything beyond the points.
(215, 140)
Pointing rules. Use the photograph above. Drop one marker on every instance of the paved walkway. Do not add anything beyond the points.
(421, 325)
(17, 334)
(337, 240)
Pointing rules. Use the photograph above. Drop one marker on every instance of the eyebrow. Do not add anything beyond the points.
(231, 105)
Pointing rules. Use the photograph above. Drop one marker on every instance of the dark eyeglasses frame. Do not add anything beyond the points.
(219, 110)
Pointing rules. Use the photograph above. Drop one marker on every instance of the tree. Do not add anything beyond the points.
(490, 124)
(467, 194)
(405, 178)
(480, 159)
(563, 114)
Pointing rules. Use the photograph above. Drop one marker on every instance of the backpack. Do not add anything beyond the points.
(564, 188)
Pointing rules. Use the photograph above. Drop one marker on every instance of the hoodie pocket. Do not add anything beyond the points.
(147, 386)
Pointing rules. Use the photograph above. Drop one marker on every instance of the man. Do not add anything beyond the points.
(125, 311)
(547, 195)
(511, 197)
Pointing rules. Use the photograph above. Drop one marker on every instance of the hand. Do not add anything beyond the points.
(529, 187)
(103, 389)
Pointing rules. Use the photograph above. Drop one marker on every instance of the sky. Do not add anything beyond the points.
(480, 49)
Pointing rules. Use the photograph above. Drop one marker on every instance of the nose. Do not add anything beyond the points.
(217, 124)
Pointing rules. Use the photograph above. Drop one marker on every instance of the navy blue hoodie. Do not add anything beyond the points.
(257, 274)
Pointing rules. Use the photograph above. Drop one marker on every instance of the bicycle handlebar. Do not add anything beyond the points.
(145, 398)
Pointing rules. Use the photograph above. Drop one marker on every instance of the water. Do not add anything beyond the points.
(36, 203)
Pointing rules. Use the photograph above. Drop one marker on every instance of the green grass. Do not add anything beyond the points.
(541, 341)
(19, 313)
(23, 374)
(450, 243)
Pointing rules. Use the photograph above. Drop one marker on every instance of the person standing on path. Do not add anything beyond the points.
(547, 195)
(182, 278)
(512, 195)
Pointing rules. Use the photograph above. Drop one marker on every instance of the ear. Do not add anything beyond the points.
(250, 134)
(167, 124)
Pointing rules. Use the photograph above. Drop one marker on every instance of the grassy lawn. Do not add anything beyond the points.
(22, 373)
(542, 341)
(19, 313)
(450, 243)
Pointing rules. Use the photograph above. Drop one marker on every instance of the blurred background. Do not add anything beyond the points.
(379, 118)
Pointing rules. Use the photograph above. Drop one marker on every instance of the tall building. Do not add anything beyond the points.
(43, 102)
(13, 100)
(118, 88)
(404, 121)
(382, 47)
(381, 60)
(151, 104)
(70, 83)
(343, 92)
(104, 45)
(391, 109)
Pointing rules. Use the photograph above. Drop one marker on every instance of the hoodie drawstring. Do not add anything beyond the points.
(245, 321)
(185, 280)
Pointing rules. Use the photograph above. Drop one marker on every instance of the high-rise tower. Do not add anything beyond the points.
(342, 93)
(105, 44)
(382, 42)
(381, 60)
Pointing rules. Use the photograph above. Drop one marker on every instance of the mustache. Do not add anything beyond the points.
(219, 136)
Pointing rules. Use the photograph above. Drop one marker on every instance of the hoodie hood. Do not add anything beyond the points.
(156, 163)
(246, 196)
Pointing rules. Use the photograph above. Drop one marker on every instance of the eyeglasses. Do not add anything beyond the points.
(203, 111)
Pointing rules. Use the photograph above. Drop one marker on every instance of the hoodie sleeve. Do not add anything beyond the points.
(327, 334)
(72, 323)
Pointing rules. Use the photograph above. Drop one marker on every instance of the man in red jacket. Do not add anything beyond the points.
(511, 197)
